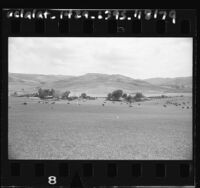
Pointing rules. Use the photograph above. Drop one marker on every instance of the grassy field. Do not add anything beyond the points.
(89, 130)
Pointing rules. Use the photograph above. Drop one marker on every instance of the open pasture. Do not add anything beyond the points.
(94, 129)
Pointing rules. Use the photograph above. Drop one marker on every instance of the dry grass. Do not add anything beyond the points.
(93, 131)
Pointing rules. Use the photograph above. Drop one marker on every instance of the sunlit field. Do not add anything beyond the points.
(155, 129)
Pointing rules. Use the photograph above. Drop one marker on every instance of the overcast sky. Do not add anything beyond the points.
(134, 57)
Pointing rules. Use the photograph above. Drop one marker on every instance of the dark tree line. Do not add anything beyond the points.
(115, 95)
(44, 93)
(118, 95)
(65, 95)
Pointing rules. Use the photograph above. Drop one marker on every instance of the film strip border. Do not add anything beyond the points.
(95, 173)
(131, 23)
(92, 173)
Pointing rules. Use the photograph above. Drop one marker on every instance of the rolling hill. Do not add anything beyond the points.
(179, 83)
(96, 84)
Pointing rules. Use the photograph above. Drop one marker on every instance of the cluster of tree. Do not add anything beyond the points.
(117, 95)
(51, 93)
(65, 95)
(138, 96)
(85, 96)
(44, 93)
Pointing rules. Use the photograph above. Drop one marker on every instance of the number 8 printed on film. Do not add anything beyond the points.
(52, 180)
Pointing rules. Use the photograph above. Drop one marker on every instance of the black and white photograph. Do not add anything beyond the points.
(100, 98)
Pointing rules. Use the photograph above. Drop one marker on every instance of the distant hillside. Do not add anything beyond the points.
(39, 78)
(179, 83)
(31, 82)
(95, 83)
